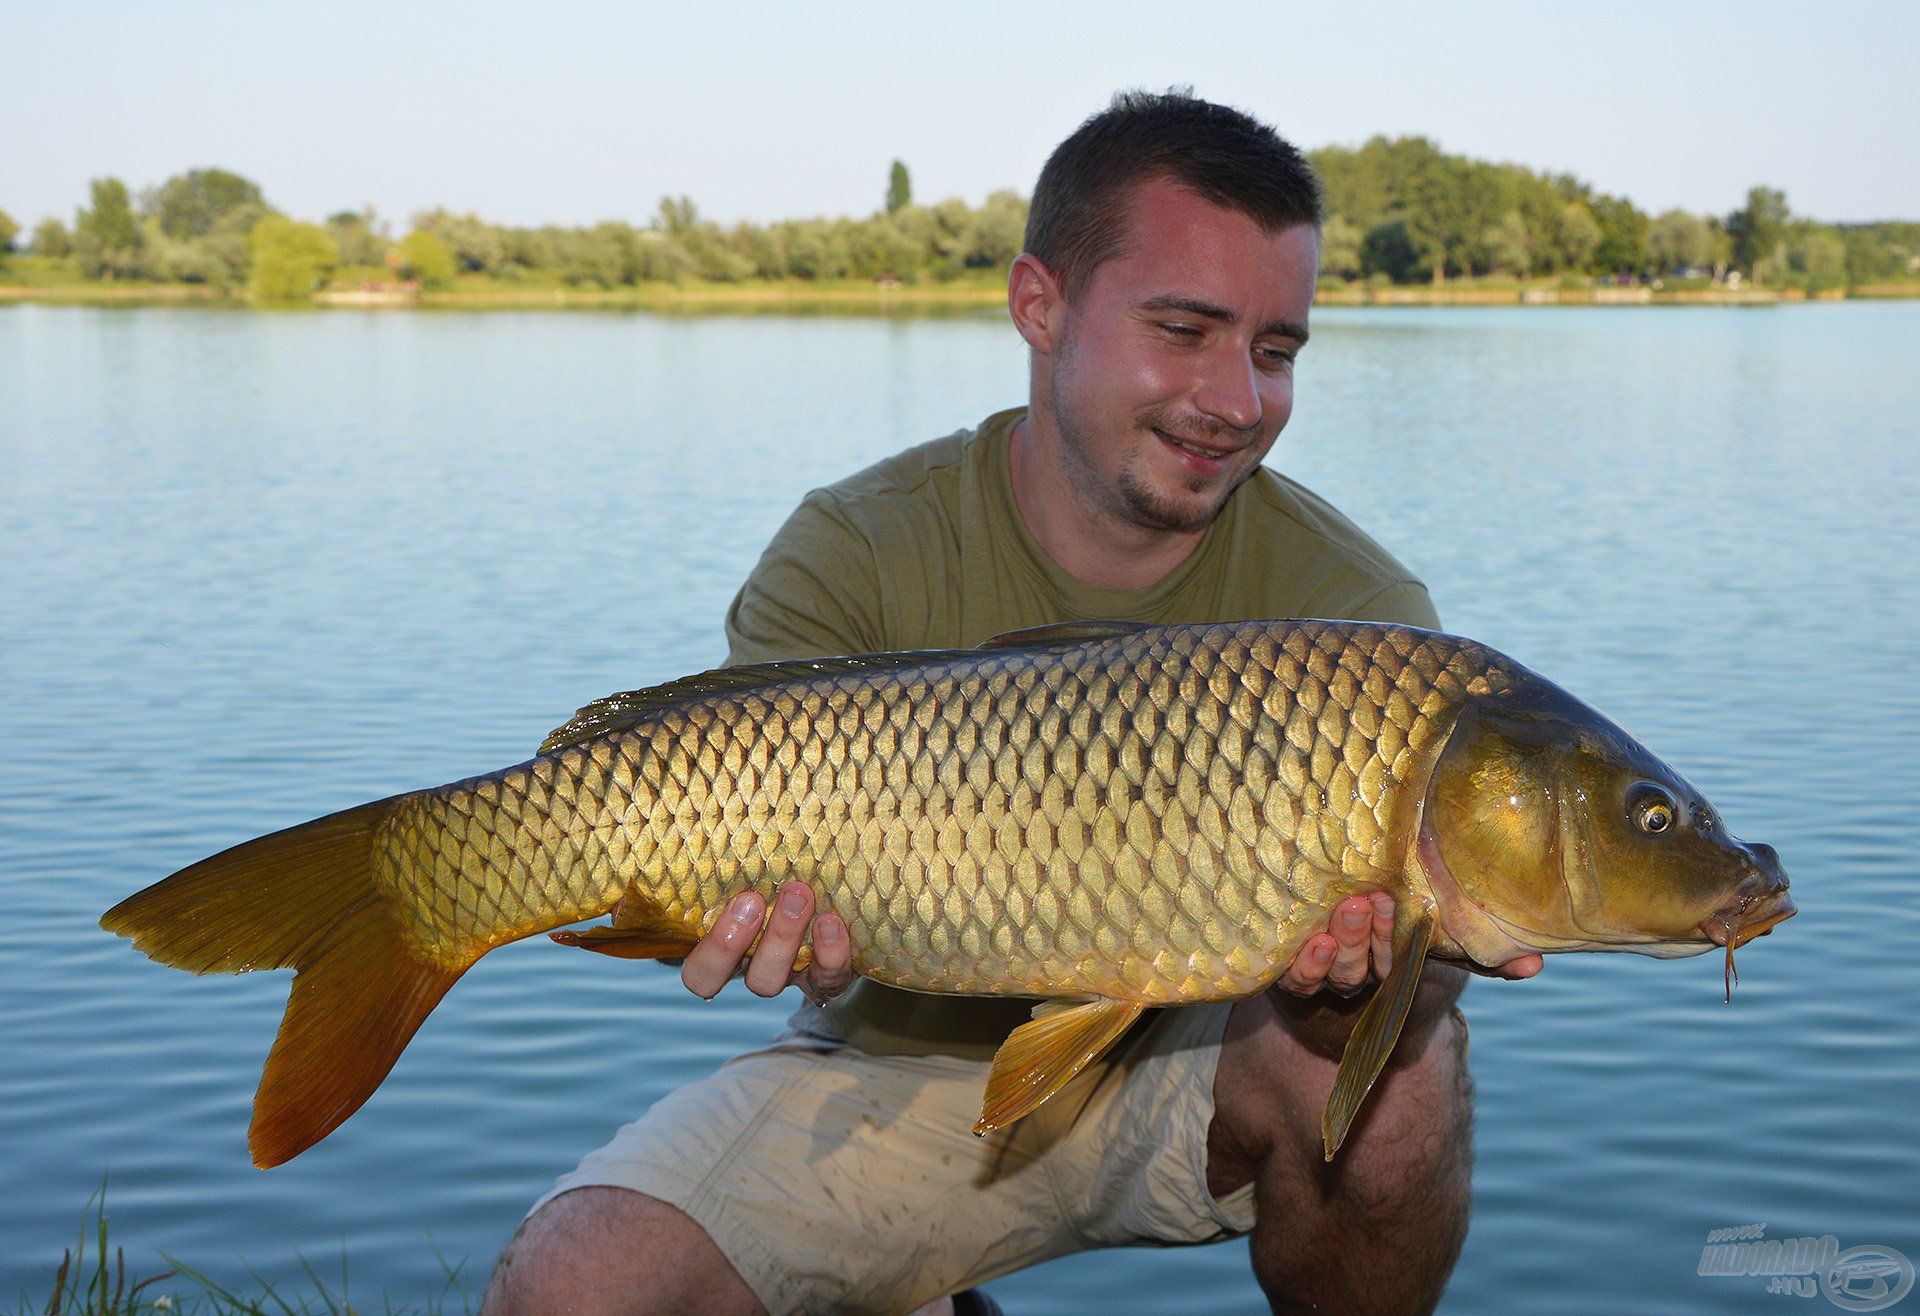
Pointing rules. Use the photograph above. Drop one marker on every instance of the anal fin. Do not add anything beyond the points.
(1039, 1058)
(1378, 1028)
(641, 930)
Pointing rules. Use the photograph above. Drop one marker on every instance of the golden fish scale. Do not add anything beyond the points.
(1162, 816)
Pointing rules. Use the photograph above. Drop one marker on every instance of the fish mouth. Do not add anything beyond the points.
(1759, 904)
(1750, 917)
(1755, 912)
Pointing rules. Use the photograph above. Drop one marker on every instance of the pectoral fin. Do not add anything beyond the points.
(1039, 1058)
(1378, 1028)
(641, 930)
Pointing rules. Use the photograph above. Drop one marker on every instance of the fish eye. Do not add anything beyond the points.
(1651, 808)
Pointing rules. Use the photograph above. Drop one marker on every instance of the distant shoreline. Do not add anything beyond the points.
(793, 297)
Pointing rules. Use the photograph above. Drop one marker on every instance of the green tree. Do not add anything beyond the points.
(1759, 232)
(1375, 182)
(221, 255)
(880, 250)
(1388, 249)
(766, 248)
(818, 249)
(599, 255)
(476, 245)
(425, 257)
(1679, 241)
(1818, 254)
(1447, 205)
(50, 238)
(999, 231)
(1340, 248)
(677, 215)
(899, 187)
(189, 260)
(359, 235)
(694, 245)
(1508, 245)
(533, 248)
(1623, 236)
(1880, 253)
(192, 205)
(656, 257)
(1576, 236)
(106, 236)
(8, 232)
(952, 236)
(290, 260)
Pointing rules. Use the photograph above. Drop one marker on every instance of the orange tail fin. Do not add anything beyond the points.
(301, 899)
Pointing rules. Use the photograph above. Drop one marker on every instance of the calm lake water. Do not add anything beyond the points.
(257, 567)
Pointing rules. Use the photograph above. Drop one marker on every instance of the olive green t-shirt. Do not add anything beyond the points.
(927, 550)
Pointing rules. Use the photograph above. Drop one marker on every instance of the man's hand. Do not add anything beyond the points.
(720, 954)
(1357, 948)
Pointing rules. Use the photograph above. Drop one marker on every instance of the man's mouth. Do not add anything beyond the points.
(1201, 456)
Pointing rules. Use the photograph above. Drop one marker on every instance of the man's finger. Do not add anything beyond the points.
(1308, 972)
(832, 969)
(771, 968)
(716, 957)
(1382, 934)
(1353, 932)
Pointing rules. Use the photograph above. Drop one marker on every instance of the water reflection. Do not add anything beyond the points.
(264, 566)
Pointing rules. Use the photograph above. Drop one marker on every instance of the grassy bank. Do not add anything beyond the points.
(95, 1278)
(34, 279)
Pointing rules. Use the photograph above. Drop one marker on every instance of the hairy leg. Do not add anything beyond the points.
(1380, 1229)
(607, 1250)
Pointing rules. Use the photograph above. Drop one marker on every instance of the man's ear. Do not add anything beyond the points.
(1036, 302)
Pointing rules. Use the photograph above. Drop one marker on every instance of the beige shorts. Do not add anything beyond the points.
(836, 1180)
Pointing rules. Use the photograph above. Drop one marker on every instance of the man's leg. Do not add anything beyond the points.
(797, 1180)
(609, 1250)
(1379, 1229)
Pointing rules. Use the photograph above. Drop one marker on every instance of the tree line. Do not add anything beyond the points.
(1400, 210)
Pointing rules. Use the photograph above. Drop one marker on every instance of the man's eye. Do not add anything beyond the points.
(1181, 330)
(1275, 356)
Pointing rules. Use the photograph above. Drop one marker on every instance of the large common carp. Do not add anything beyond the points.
(1108, 817)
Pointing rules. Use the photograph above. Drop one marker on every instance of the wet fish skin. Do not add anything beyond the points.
(1108, 816)
(1163, 816)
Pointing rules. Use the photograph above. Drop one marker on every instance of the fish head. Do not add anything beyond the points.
(1546, 827)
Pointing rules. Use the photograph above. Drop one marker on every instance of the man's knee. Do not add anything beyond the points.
(607, 1250)
(1417, 1150)
(1381, 1227)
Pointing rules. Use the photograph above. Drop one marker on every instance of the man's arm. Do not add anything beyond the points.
(814, 593)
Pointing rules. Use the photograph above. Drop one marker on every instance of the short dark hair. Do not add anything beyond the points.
(1229, 158)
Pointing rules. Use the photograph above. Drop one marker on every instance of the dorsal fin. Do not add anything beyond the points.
(1062, 632)
(620, 712)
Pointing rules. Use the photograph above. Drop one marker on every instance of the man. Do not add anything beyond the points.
(1172, 251)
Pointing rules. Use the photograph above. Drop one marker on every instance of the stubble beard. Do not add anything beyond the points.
(1130, 498)
(1152, 508)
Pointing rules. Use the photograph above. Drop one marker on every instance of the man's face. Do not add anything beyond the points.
(1173, 370)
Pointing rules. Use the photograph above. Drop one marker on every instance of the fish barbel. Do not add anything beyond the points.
(1107, 817)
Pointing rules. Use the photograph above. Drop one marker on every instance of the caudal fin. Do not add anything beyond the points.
(301, 899)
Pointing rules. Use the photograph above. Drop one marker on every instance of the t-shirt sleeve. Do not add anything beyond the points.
(1404, 604)
(814, 593)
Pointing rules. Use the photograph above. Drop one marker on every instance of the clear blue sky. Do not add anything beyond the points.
(570, 112)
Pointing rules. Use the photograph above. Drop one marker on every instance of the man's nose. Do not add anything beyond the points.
(1230, 392)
